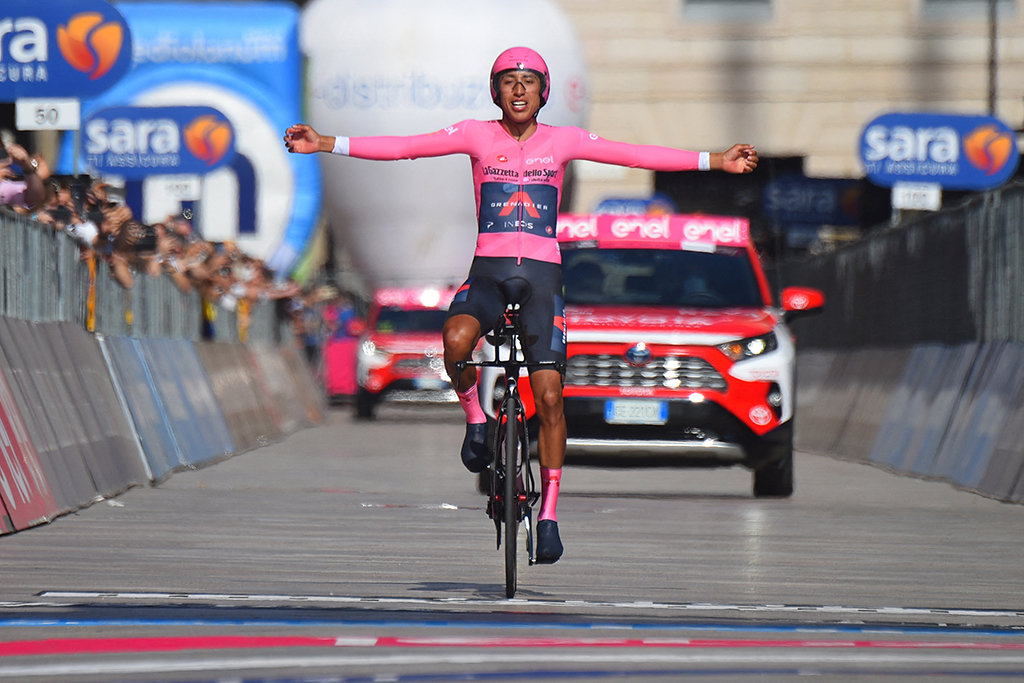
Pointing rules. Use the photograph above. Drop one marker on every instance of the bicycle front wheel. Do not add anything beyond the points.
(511, 447)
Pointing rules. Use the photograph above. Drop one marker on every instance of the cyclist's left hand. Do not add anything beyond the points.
(739, 159)
(302, 139)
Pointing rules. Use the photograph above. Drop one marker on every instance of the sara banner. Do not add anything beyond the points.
(61, 48)
(136, 142)
(242, 59)
(956, 152)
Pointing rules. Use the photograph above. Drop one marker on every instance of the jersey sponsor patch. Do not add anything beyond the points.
(509, 207)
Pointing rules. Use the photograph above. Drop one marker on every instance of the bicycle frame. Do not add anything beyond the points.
(512, 477)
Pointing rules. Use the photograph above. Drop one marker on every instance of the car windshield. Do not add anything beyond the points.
(393, 319)
(660, 277)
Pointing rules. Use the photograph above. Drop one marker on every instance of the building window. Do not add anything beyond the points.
(974, 9)
(727, 10)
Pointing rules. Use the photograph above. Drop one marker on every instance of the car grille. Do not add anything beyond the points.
(419, 363)
(669, 372)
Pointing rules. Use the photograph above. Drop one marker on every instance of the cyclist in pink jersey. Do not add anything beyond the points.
(518, 169)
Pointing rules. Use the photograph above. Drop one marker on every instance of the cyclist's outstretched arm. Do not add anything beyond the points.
(740, 158)
(303, 139)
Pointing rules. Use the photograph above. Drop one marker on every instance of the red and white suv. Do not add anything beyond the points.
(676, 352)
(401, 355)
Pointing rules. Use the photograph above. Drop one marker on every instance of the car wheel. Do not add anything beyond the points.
(775, 480)
(366, 404)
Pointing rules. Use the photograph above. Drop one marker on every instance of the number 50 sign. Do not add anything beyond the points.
(48, 113)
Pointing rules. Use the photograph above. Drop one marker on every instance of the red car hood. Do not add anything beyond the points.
(662, 325)
(409, 342)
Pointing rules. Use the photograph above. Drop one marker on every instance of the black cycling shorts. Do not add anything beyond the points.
(495, 282)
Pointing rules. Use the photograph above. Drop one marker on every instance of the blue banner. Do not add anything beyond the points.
(956, 152)
(243, 60)
(61, 48)
(135, 142)
(659, 204)
(813, 201)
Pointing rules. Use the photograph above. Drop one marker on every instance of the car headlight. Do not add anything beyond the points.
(372, 355)
(749, 348)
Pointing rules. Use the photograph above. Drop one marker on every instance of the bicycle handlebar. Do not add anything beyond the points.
(508, 332)
(461, 365)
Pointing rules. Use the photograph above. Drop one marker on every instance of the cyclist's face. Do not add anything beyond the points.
(520, 94)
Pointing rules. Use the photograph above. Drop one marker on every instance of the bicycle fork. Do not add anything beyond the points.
(525, 484)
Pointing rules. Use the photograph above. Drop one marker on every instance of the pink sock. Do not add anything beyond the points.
(549, 481)
(471, 404)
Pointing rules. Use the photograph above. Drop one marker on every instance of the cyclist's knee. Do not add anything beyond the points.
(549, 402)
(460, 336)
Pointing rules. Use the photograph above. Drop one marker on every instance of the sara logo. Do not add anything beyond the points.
(955, 152)
(208, 138)
(61, 48)
(90, 44)
(136, 142)
(988, 148)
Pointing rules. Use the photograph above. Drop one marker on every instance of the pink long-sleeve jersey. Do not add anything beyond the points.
(518, 184)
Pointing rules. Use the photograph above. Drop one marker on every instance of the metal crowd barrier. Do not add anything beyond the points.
(917, 363)
(951, 277)
(44, 279)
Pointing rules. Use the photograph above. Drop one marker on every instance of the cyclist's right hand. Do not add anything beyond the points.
(302, 139)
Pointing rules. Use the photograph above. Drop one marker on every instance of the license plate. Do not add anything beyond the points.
(430, 383)
(634, 412)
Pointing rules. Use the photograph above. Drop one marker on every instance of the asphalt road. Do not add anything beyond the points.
(361, 552)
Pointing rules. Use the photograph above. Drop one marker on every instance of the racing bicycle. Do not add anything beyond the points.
(512, 493)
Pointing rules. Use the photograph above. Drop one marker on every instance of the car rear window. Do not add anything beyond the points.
(660, 277)
(392, 320)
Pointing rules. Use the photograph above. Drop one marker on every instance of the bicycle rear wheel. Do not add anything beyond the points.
(511, 447)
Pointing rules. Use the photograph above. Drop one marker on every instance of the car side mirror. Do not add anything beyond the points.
(356, 327)
(800, 302)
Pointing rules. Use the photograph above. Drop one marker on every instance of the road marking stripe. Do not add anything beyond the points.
(537, 625)
(873, 661)
(74, 646)
(574, 604)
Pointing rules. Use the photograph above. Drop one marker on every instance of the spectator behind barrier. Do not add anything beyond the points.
(104, 227)
(22, 178)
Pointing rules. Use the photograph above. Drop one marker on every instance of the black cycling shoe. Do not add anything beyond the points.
(549, 545)
(476, 456)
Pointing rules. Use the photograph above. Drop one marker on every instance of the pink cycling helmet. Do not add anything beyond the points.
(521, 59)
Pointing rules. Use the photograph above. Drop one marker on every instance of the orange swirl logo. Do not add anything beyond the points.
(988, 148)
(89, 45)
(208, 138)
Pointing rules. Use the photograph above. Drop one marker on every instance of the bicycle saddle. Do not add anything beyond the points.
(517, 290)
